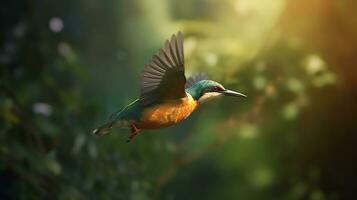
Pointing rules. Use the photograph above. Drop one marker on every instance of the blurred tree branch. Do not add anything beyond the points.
(253, 115)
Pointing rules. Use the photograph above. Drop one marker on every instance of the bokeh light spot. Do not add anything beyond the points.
(42, 108)
(291, 111)
(56, 24)
(314, 64)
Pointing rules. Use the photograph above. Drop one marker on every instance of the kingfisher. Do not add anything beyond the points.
(166, 97)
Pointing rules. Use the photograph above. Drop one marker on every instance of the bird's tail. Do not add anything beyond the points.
(104, 129)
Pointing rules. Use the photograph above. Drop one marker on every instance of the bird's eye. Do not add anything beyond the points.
(216, 88)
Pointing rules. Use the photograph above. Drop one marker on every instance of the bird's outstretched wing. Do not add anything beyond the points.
(195, 78)
(164, 76)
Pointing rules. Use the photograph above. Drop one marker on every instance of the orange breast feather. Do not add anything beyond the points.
(167, 113)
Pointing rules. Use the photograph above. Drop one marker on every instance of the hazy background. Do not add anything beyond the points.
(66, 65)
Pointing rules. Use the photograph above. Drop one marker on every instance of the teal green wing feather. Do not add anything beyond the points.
(130, 112)
(164, 76)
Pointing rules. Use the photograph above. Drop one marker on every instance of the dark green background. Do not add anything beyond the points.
(294, 137)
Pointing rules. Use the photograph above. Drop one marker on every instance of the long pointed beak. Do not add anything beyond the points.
(233, 93)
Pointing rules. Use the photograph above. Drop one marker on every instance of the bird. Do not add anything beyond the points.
(166, 96)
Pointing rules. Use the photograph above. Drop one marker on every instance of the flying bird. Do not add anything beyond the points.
(166, 97)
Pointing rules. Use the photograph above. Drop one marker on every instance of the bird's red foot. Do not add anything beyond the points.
(134, 132)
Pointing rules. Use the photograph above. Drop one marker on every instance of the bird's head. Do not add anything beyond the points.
(205, 90)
